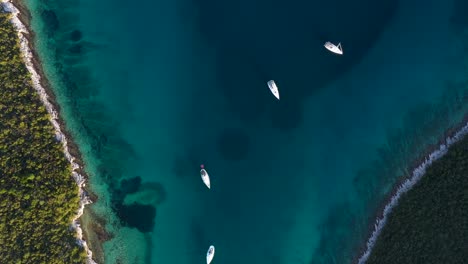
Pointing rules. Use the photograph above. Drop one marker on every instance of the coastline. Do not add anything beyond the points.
(20, 20)
(73, 150)
(404, 185)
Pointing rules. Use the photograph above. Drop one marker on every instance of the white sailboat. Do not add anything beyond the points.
(337, 49)
(205, 177)
(210, 254)
(273, 88)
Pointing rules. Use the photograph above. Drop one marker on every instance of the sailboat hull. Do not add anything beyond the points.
(333, 48)
(205, 178)
(273, 88)
(210, 254)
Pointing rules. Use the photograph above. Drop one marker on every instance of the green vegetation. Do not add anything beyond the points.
(430, 224)
(38, 196)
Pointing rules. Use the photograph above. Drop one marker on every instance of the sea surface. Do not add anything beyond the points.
(151, 90)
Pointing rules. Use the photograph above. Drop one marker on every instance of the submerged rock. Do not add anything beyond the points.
(128, 186)
(51, 20)
(137, 215)
(152, 193)
(76, 35)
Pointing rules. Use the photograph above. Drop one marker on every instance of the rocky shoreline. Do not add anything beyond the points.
(407, 183)
(21, 21)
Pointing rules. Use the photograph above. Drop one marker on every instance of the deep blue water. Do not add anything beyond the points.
(153, 89)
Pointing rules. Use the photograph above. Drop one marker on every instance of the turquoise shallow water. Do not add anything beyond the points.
(152, 90)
